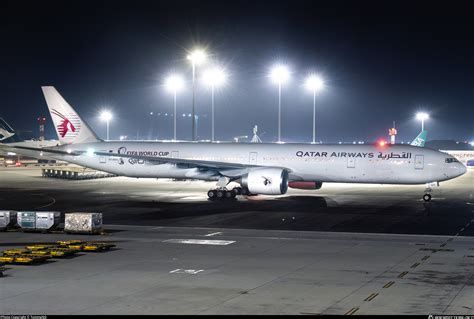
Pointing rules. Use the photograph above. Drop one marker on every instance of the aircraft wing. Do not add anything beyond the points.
(39, 149)
(181, 161)
(228, 169)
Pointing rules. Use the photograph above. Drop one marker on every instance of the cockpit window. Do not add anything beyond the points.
(451, 160)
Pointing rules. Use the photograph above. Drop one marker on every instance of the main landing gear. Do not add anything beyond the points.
(221, 192)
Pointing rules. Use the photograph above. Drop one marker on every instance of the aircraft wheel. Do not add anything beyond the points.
(427, 197)
(219, 194)
(212, 194)
(237, 190)
(228, 194)
(244, 191)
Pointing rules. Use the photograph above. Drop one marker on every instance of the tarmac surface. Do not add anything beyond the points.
(344, 249)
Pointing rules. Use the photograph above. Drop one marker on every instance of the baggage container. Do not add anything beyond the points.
(83, 222)
(7, 219)
(26, 220)
(40, 221)
(47, 220)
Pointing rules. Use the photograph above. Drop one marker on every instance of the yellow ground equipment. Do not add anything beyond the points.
(7, 259)
(40, 247)
(15, 252)
(97, 246)
(86, 246)
(22, 259)
(41, 252)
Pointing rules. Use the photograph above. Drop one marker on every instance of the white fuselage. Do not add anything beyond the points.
(389, 164)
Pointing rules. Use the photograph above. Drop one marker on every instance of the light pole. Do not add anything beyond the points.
(196, 57)
(214, 77)
(314, 84)
(174, 83)
(279, 75)
(106, 116)
(422, 116)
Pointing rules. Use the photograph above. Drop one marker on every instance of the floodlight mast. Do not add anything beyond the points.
(279, 74)
(214, 78)
(196, 57)
(422, 116)
(174, 83)
(314, 84)
(106, 116)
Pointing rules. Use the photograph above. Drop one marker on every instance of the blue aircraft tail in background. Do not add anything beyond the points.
(7, 133)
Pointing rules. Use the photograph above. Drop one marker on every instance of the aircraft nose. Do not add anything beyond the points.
(458, 170)
(455, 170)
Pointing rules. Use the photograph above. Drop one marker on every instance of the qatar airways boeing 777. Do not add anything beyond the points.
(267, 169)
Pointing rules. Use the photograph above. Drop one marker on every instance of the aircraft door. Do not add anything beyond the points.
(253, 158)
(351, 162)
(419, 161)
(174, 154)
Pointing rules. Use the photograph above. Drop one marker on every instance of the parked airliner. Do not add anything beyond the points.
(267, 169)
(10, 137)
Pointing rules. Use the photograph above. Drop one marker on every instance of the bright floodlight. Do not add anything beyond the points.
(174, 83)
(214, 77)
(280, 74)
(105, 116)
(422, 116)
(314, 83)
(198, 56)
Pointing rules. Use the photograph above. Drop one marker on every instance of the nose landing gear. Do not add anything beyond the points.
(428, 191)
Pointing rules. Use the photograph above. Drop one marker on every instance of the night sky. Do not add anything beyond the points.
(382, 62)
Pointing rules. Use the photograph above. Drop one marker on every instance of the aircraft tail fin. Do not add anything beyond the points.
(420, 139)
(7, 133)
(71, 129)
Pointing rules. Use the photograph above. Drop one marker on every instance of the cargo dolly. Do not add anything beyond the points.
(86, 246)
(39, 253)
(22, 259)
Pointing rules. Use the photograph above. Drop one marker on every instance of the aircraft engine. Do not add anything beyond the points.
(305, 185)
(266, 181)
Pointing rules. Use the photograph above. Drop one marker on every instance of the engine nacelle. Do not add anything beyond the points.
(266, 181)
(305, 185)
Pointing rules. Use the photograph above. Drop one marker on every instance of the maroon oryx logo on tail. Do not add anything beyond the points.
(65, 126)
